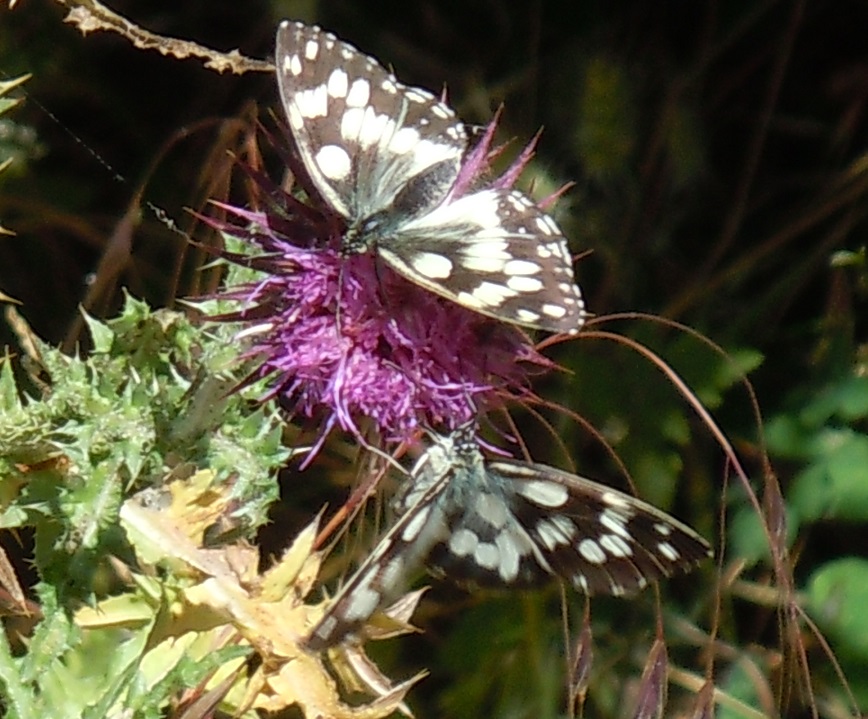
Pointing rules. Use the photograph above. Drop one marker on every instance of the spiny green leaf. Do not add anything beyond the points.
(9, 399)
(20, 699)
(100, 334)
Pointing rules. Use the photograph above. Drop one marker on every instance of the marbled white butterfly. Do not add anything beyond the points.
(505, 523)
(384, 157)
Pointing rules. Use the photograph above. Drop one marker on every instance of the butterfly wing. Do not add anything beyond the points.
(599, 539)
(362, 135)
(528, 523)
(495, 252)
(513, 524)
(387, 569)
(384, 156)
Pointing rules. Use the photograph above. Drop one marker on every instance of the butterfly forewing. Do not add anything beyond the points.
(387, 569)
(361, 134)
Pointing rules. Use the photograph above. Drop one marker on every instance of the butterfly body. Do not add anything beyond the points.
(385, 157)
(506, 523)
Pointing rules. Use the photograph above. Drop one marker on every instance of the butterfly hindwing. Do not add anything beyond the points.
(596, 538)
(495, 252)
(522, 524)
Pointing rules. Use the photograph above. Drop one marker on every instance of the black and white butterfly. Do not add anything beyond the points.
(385, 157)
(505, 523)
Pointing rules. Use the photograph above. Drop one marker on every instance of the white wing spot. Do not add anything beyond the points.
(615, 546)
(463, 542)
(338, 83)
(477, 210)
(567, 526)
(469, 300)
(359, 93)
(527, 315)
(487, 555)
(614, 522)
(491, 294)
(510, 556)
(313, 103)
(580, 582)
(545, 225)
(414, 94)
(427, 153)
(432, 265)
(374, 127)
(521, 283)
(560, 249)
(591, 551)
(544, 251)
(519, 201)
(498, 250)
(404, 140)
(311, 50)
(296, 121)
(362, 604)
(351, 123)
(663, 529)
(668, 551)
(442, 111)
(391, 574)
(545, 494)
(333, 162)
(414, 526)
(555, 530)
(614, 499)
(482, 264)
(363, 125)
(492, 509)
(389, 85)
(548, 535)
(556, 311)
(521, 267)
(292, 64)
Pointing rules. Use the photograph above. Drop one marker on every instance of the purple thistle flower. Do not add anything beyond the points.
(342, 338)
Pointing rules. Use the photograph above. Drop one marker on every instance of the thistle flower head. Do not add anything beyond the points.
(342, 338)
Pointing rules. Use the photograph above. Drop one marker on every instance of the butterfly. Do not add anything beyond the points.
(505, 523)
(384, 157)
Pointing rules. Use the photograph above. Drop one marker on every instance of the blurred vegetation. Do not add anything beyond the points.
(717, 151)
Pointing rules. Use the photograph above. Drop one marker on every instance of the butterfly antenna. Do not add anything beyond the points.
(383, 455)
(338, 298)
